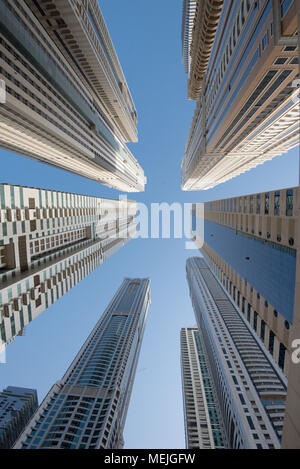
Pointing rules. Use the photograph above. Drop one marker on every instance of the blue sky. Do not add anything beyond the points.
(147, 39)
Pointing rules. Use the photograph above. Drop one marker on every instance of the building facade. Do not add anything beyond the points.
(67, 101)
(17, 405)
(87, 408)
(250, 387)
(250, 244)
(49, 241)
(291, 429)
(201, 413)
(188, 17)
(247, 67)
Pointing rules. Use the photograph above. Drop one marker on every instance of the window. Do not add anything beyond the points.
(277, 203)
(251, 203)
(264, 41)
(255, 321)
(267, 203)
(271, 342)
(289, 203)
(280, 61)
(258, 204)
(31, 202)
(281, 358)
(249, 312)
(262, 330)
(285, 7)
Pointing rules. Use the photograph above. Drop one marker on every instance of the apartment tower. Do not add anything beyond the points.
(17, 405)
(49, 241)
(249, 385)
(87, 408)
(65, 98)
(250, 243)
(244, 74)
(201, 413)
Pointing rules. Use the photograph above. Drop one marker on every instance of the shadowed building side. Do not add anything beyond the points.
(247, 110)
(67, 101)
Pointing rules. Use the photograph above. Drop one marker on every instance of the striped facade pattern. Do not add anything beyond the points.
(201, 413)
(251, 388)
(247, 110)
(50, 241)
(64, 106)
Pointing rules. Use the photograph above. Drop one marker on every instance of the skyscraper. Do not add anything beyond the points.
(87, 408)
(67, 101)
(49, 241)
(250, 243)
(188, 16)
(250, 387)
(17, 405)
(243, 73)
(200, 406)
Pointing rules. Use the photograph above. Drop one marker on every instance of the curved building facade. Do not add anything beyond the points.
(87, 408)
(67, 101)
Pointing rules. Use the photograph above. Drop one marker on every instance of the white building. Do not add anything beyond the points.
(66, 102)
(200, 406)
(49, 241)
(244, 74)
(250, 386)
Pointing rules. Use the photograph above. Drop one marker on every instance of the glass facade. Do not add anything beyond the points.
(87, 408)
(269, 268)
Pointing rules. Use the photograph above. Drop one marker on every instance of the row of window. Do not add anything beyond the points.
(259, 204)
(242, 304)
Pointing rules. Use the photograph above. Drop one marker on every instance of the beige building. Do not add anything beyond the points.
(66, 102)
(244, 67)
(250, 242)
(291, 431)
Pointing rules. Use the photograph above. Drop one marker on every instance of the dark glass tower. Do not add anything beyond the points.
(17, 406)
(88, 407)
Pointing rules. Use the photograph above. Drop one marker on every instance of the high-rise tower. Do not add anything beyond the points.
(50, 240)
(66, 102)
(17, 405)
(188, 16)
(200, 406)
(250, 242)
(249, 385)
(244, 75)
(87, 408)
